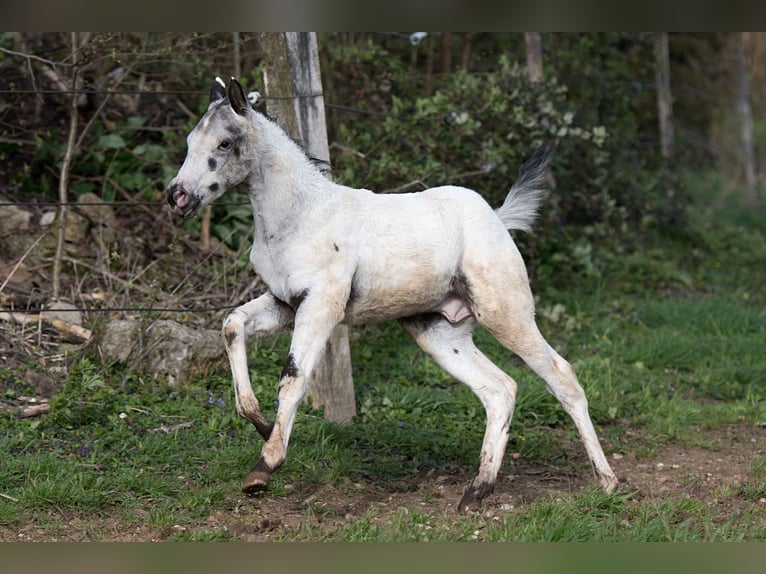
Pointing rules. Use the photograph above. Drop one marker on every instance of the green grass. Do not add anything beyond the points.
(666, 342)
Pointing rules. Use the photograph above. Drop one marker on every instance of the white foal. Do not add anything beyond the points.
(440, 261)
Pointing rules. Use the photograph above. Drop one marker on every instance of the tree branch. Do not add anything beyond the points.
(33, 57)
(64, 175)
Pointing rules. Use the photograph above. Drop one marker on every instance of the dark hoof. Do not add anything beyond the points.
(258, 478)
(474, 494)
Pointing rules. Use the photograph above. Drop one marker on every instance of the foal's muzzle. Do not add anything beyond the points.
(181, 202)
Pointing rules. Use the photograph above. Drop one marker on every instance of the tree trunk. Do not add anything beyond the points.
(746, 115)
(429, 46)
(293, 87)
(445, 53)
(465, 52)
(534, 56)
(664, 94)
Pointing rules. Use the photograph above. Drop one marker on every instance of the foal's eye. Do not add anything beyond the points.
(224, 145)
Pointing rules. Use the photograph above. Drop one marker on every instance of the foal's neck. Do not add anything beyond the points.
(284, 176)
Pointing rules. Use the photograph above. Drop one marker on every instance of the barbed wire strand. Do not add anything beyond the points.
(158, 203)
(122, 309)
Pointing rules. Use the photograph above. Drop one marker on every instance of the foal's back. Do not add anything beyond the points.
(411, 250)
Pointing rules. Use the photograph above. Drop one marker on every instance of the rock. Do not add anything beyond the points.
(100, 214)
(89, 215)
(119, 339)
(64, 310)
(13, 219)
(47, 218)
(76, 227)
(21, 282)
(18, 235)
(163, 349)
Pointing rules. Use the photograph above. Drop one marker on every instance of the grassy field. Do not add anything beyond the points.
(667, 342)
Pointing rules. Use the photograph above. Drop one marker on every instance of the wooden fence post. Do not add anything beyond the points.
(534, 47)
(292, 77)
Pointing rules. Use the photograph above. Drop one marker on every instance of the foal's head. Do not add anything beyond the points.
(219, 153)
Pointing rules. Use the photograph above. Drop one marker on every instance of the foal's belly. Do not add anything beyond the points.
(377, 311)
(373, 303)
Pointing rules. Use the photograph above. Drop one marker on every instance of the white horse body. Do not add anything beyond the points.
(440, 261)
(398, 254)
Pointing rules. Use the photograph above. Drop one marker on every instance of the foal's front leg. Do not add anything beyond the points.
(315, 320)
(262, 315)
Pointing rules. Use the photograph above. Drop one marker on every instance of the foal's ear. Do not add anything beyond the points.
(237, 98)
(218, 91)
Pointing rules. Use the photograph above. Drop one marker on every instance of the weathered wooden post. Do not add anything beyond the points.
(534, 56)
(293, 86)
(664, 94)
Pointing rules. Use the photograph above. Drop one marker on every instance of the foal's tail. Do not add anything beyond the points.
(519, 209)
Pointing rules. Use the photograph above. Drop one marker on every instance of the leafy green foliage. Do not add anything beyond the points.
(476, 128)
(85, 398)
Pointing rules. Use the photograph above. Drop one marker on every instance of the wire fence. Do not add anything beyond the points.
(687, 134)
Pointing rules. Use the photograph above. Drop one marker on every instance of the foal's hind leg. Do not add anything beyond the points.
(520, 334)
(452, 347)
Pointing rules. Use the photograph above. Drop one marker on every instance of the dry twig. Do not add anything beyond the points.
(69, 331)
(34, 410)
(64, 175)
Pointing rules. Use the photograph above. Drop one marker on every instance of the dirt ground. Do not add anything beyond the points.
(676, 472)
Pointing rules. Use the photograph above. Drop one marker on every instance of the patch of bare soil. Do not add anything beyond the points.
(675, 472)
(697, 472)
